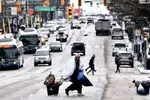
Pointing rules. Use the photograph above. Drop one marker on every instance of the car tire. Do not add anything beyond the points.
(35, 64)
(83, 53)
(50, 63)
(60, 50)
(71, 53)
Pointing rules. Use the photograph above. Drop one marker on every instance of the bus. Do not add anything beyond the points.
(30, 39)
(11, 52)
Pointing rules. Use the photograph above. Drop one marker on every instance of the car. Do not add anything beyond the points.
(119, 46)
(126, 58)
(44, 31)
(78, 47)
(90, 20)
(50, 27)
(56, 46)
(75, 24)
(54, 23)
(82, 20)
(117, 33)
(62, 35)
(42, 56)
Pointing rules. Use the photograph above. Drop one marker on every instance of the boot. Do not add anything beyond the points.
(67, 91)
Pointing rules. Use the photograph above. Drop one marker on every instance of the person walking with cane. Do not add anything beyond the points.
(117, 63)
(91, 65)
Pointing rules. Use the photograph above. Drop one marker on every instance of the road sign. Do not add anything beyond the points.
(41, 8)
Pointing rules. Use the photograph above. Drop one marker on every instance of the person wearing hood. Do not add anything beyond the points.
(76, 85)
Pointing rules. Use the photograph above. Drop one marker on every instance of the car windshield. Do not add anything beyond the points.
(8, 53)
(29, 30)
(119, 45)
(42, 53)
(29, 40)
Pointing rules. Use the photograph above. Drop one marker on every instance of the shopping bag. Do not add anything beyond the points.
(80, 75)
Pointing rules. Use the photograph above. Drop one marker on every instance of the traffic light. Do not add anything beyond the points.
(62, 2)
(79, 3)
(19, 7)
(105, 2)
(70, 13)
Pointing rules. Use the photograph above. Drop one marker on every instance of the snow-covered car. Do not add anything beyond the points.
(119, 46)
(62, 35)
(44, 31)
(54, 23)
(51, 28)
(42, 56)
(55, 46)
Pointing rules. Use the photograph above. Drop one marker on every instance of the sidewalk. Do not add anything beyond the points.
(141, 68)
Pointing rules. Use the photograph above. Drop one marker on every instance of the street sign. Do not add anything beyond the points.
(41, 8)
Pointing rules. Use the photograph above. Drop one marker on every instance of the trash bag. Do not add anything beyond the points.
(141, 90)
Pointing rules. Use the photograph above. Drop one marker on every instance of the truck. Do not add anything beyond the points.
(102, 27)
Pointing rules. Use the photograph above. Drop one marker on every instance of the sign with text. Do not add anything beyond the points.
(41, 8)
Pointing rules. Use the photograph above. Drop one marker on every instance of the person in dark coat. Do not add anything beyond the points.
(76, 85)
(117, 63)
(91, 65)
(145, 84)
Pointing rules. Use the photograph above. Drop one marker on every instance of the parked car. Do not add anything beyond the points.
(78, 47)
(119, 46)
(56, 46)
(126, 58)
(42, 56)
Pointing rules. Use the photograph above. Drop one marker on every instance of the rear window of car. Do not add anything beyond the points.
(120, 45)
(78, 44)
(125, 55)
